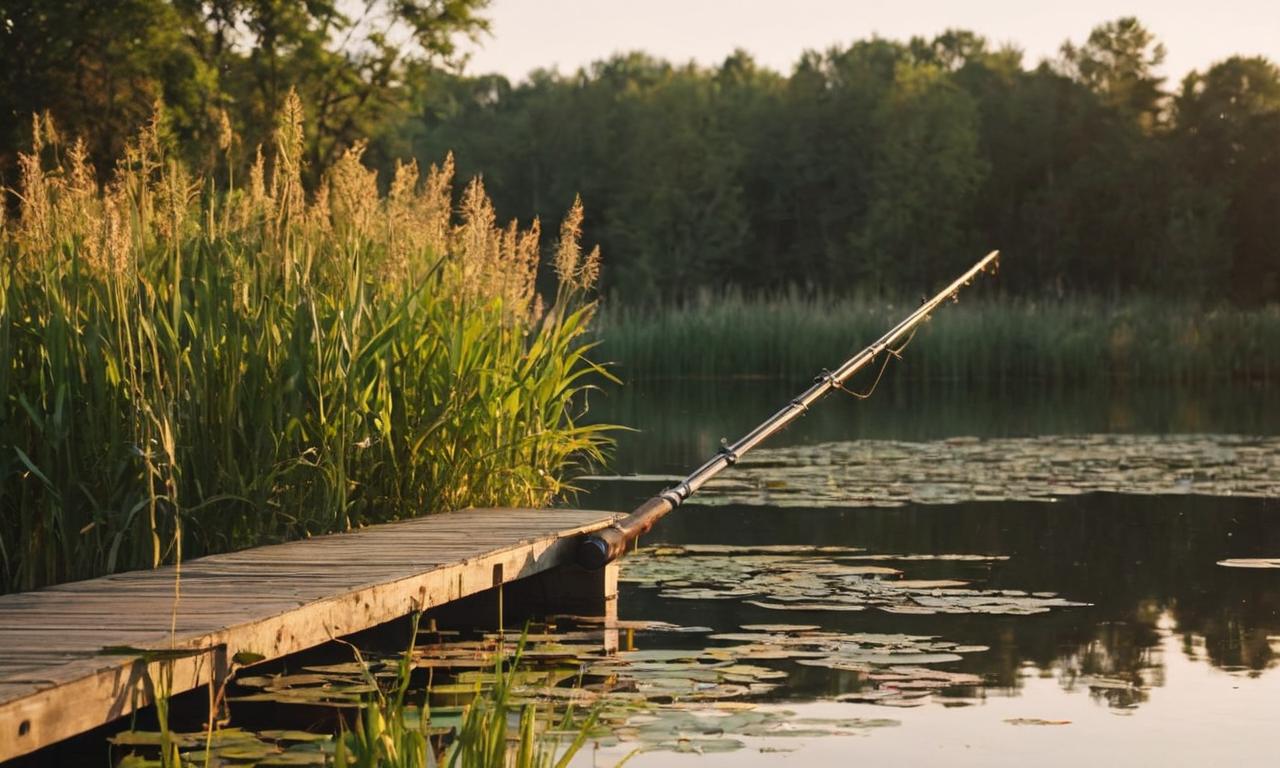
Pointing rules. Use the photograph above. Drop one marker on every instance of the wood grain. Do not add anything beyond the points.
(56, 682)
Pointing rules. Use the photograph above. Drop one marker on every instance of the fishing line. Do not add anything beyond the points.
(604, 546)
(889, 354)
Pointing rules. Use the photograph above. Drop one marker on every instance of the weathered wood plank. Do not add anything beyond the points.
(273, 600)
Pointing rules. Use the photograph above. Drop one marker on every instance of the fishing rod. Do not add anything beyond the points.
(604, 546)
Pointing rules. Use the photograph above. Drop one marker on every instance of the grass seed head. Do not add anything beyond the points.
(569, 251)
(353, 195)
(286, 177)
(35, 212)
(226, 136)
(397, 326)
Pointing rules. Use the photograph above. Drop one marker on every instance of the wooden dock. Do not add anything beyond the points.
(56, 681)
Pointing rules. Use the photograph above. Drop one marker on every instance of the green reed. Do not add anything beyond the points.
(483, 740)
(187, 369)
(975, 342)
(387, 732)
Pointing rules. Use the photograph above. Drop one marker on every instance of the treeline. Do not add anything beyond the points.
(872, 169)
(883, 167)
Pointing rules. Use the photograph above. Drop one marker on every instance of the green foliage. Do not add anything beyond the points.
(1229, 121)
(483, 741)
(389, 733)
(1118, 62)
(98, 67)
(184, 370)
(383, 734)
(877, 167)
(975, 343)
(868, 169)
(386, 730)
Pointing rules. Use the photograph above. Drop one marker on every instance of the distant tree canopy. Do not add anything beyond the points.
(880, 167)
(884, 166)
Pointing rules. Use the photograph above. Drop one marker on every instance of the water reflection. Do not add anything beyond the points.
(1137, 560)
(1145, 564)
(680, 423)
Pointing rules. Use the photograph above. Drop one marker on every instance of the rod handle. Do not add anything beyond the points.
(596, 550)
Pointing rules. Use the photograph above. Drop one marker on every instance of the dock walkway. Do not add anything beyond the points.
(56, 681)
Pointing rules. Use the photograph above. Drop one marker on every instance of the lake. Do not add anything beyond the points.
(930, 577)
(1142, 648)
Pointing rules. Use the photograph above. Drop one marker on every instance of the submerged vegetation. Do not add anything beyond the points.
(190, 365)
(977, 342)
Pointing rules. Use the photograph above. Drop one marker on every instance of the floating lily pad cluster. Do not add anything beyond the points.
(671, 687)
(822, 579)
(887, 473)
(723, 728)
(704, 699)
(708, 698)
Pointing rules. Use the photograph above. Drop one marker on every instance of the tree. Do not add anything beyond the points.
(348, 61)
(952, 50)
(99, 67)
(1118, 62)
(924, 174)
(869, 166)
(1228, 143)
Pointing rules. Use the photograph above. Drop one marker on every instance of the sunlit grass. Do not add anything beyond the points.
(187, 368)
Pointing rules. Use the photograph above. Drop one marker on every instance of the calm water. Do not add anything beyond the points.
(1186, 650)
(1145, 650)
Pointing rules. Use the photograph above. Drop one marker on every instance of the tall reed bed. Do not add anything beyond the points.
(188, 367)
(975, 342)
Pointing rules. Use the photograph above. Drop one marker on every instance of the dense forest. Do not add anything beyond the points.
(869, 169)
(883, 166)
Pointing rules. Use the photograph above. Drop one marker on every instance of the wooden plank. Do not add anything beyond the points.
(272, 600)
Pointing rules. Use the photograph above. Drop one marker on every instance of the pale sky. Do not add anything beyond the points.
(569, 33)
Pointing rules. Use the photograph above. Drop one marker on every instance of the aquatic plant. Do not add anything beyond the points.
(560, 690)
(385, 730)
(383, 734)
(817, 579)
(979, 343)
(389, 733)
(895, 473)
(190, 366)
(482, 739)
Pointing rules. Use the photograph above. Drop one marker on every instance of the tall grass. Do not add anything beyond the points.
(188, 367)
(975, 342)
(483, 739)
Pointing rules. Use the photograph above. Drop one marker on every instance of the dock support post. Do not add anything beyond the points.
(565, 589)
(572, 589)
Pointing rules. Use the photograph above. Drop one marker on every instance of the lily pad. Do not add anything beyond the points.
(812, 583)
(888, 473)
(296, 758)
(296, 736)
